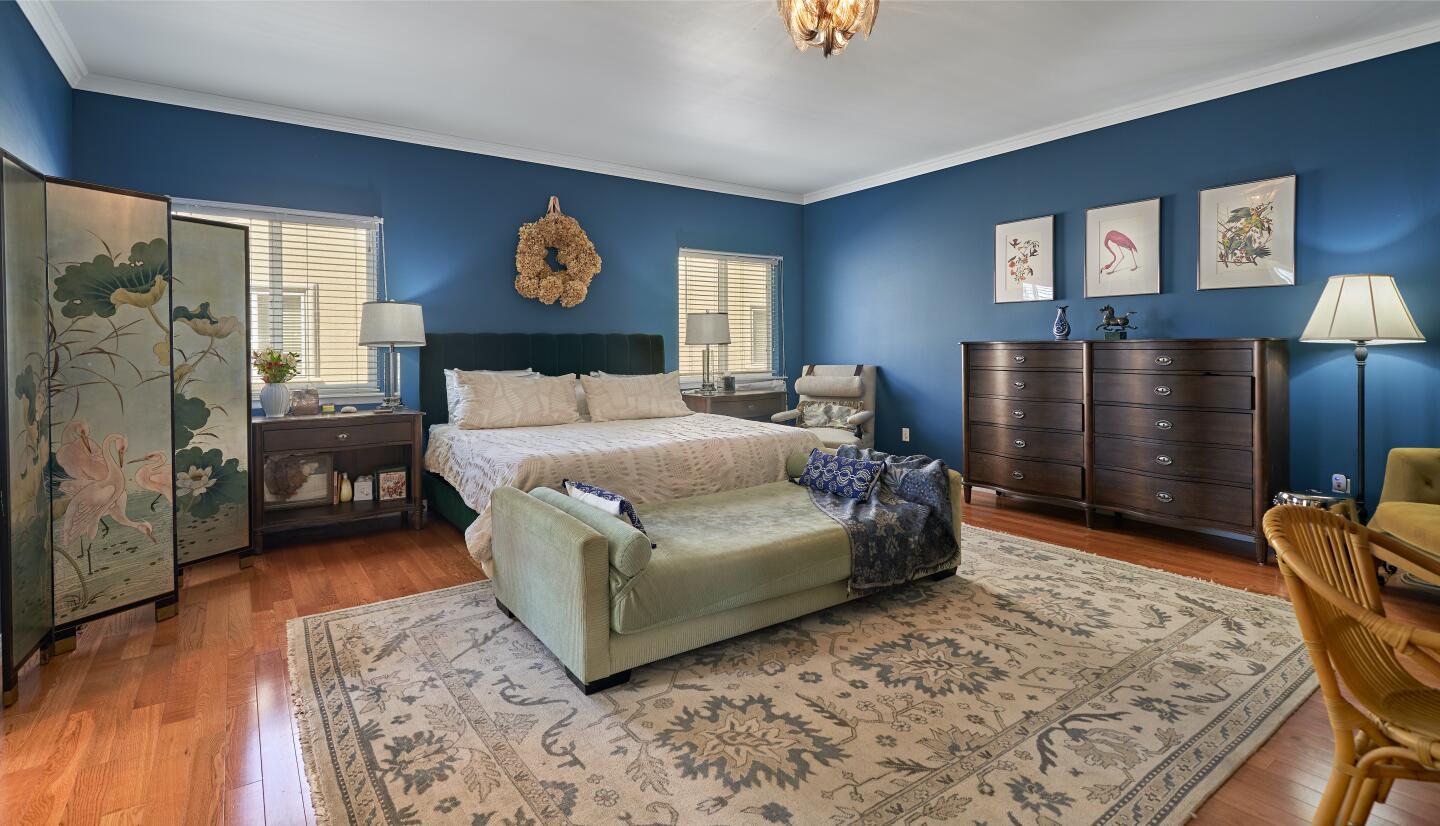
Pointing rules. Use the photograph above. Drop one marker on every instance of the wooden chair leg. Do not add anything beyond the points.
(1369, 788)
(1335, 792)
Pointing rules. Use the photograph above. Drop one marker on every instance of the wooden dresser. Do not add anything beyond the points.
(1192, 433)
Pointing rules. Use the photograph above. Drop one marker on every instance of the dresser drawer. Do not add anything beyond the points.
(1173, 359)
(1045, 478)
(1021, 358)
(337, 436)
(1221, 504)
(1223, 392)
(1028, 444)
(1024, 413)
(1201, 427)
(1169, 459)
(1027, 384)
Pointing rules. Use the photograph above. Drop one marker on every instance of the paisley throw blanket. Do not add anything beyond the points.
(904, 530)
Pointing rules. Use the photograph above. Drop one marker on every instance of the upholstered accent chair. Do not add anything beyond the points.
(1375, 672)
(1410, 501)
(837, 403)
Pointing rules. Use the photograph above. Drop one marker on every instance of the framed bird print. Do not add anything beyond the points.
(1247, 235)
(1122, 249)
(1025, 260)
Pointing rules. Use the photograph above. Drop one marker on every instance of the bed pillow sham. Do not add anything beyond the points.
(490, 400)
(616, 398)
(452, 392)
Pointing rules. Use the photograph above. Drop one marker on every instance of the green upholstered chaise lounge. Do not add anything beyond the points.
(592, 589)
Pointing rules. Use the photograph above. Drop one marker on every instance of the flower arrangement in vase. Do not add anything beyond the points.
(275, 368)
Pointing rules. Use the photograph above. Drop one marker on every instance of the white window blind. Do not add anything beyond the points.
(309, 274)
(745, 287)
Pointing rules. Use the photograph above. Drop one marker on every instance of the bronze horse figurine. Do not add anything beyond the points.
(1111, 323)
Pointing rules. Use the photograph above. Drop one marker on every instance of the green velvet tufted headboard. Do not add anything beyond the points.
(553, 354)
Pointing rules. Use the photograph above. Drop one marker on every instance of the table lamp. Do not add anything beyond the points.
(708, 329)
(391, 324)
(1363, 310)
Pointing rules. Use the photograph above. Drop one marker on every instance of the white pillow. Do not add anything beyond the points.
(612, 398)
(452, 395)
(489, 400)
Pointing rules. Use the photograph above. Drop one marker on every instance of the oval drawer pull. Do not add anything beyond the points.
(1019, 359)
(1019, 414)
(1164, 497)
(1164, 424)
(1162, 459)
(342, 436)
(1019, 442)
(1017, 474)
(1019, 385)
(1162, 390)
(1164, 361)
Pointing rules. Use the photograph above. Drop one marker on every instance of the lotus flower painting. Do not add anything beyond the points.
(109, 374)
(211, 380)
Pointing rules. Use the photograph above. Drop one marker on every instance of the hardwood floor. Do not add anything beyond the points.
(188, 721)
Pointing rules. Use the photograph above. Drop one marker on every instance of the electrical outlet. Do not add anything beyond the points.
(904, 434)
(1339, 483)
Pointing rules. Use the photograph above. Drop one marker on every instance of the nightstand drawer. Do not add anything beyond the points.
(742, 408)
(338, 436)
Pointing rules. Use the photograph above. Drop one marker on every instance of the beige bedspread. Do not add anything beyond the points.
(645, 460)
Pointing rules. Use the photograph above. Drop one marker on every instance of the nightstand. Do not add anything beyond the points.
(757, 405)
(353, 443)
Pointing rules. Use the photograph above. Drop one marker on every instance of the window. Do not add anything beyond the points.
(744, 286)
(309, 274)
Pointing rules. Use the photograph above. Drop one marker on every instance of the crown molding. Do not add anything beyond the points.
(1314, 63)
(46, 23)
(337, 123)
(52, 33)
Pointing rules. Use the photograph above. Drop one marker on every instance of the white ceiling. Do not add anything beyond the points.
(711, 94)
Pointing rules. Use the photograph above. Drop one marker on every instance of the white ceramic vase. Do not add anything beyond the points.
(275, 399)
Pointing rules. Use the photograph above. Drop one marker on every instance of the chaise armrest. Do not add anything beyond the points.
(785, 416)
(552, 572)
(861, 418)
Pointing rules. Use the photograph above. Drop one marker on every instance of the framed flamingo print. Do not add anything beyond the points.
(1122, 249)
(1025, 260)
(1247, 235)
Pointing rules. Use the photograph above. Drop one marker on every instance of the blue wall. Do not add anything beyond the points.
(451, 218)
(34, 97)
(898, 274)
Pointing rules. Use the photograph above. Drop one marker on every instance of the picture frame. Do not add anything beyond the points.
(1025, 260)
(304, 401)
(1122, 249)
(392, 483)
(1247, 235)
(298, 480)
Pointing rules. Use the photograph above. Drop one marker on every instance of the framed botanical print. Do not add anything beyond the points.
(1122, 249)
(1025, 260)
(1247, 235)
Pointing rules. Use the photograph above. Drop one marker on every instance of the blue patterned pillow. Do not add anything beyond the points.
(608, 501)
(851, 478)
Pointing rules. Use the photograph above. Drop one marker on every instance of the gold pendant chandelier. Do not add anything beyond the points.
(827, 24)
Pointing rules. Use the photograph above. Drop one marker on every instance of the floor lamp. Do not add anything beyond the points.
(1363, 310)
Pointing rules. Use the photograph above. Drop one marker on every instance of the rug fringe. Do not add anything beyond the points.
(307, 731)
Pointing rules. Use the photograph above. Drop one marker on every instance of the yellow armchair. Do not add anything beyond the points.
(1410, 500)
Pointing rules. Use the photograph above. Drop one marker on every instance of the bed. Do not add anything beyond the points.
(649, 460)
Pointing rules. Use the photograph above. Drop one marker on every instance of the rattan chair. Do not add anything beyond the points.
(1388, 727)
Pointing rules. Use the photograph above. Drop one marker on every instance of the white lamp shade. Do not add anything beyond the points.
(707, 328)
(1364, 308)
(391, 323)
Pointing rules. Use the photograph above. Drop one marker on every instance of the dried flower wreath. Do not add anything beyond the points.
(573, 250)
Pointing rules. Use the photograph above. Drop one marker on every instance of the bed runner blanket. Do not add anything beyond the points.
(901, 532)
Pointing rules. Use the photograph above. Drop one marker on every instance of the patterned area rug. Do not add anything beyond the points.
(1042, 686)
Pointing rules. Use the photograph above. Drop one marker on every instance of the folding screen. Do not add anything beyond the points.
(25, 598)
(211, 373)
(110, 401)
